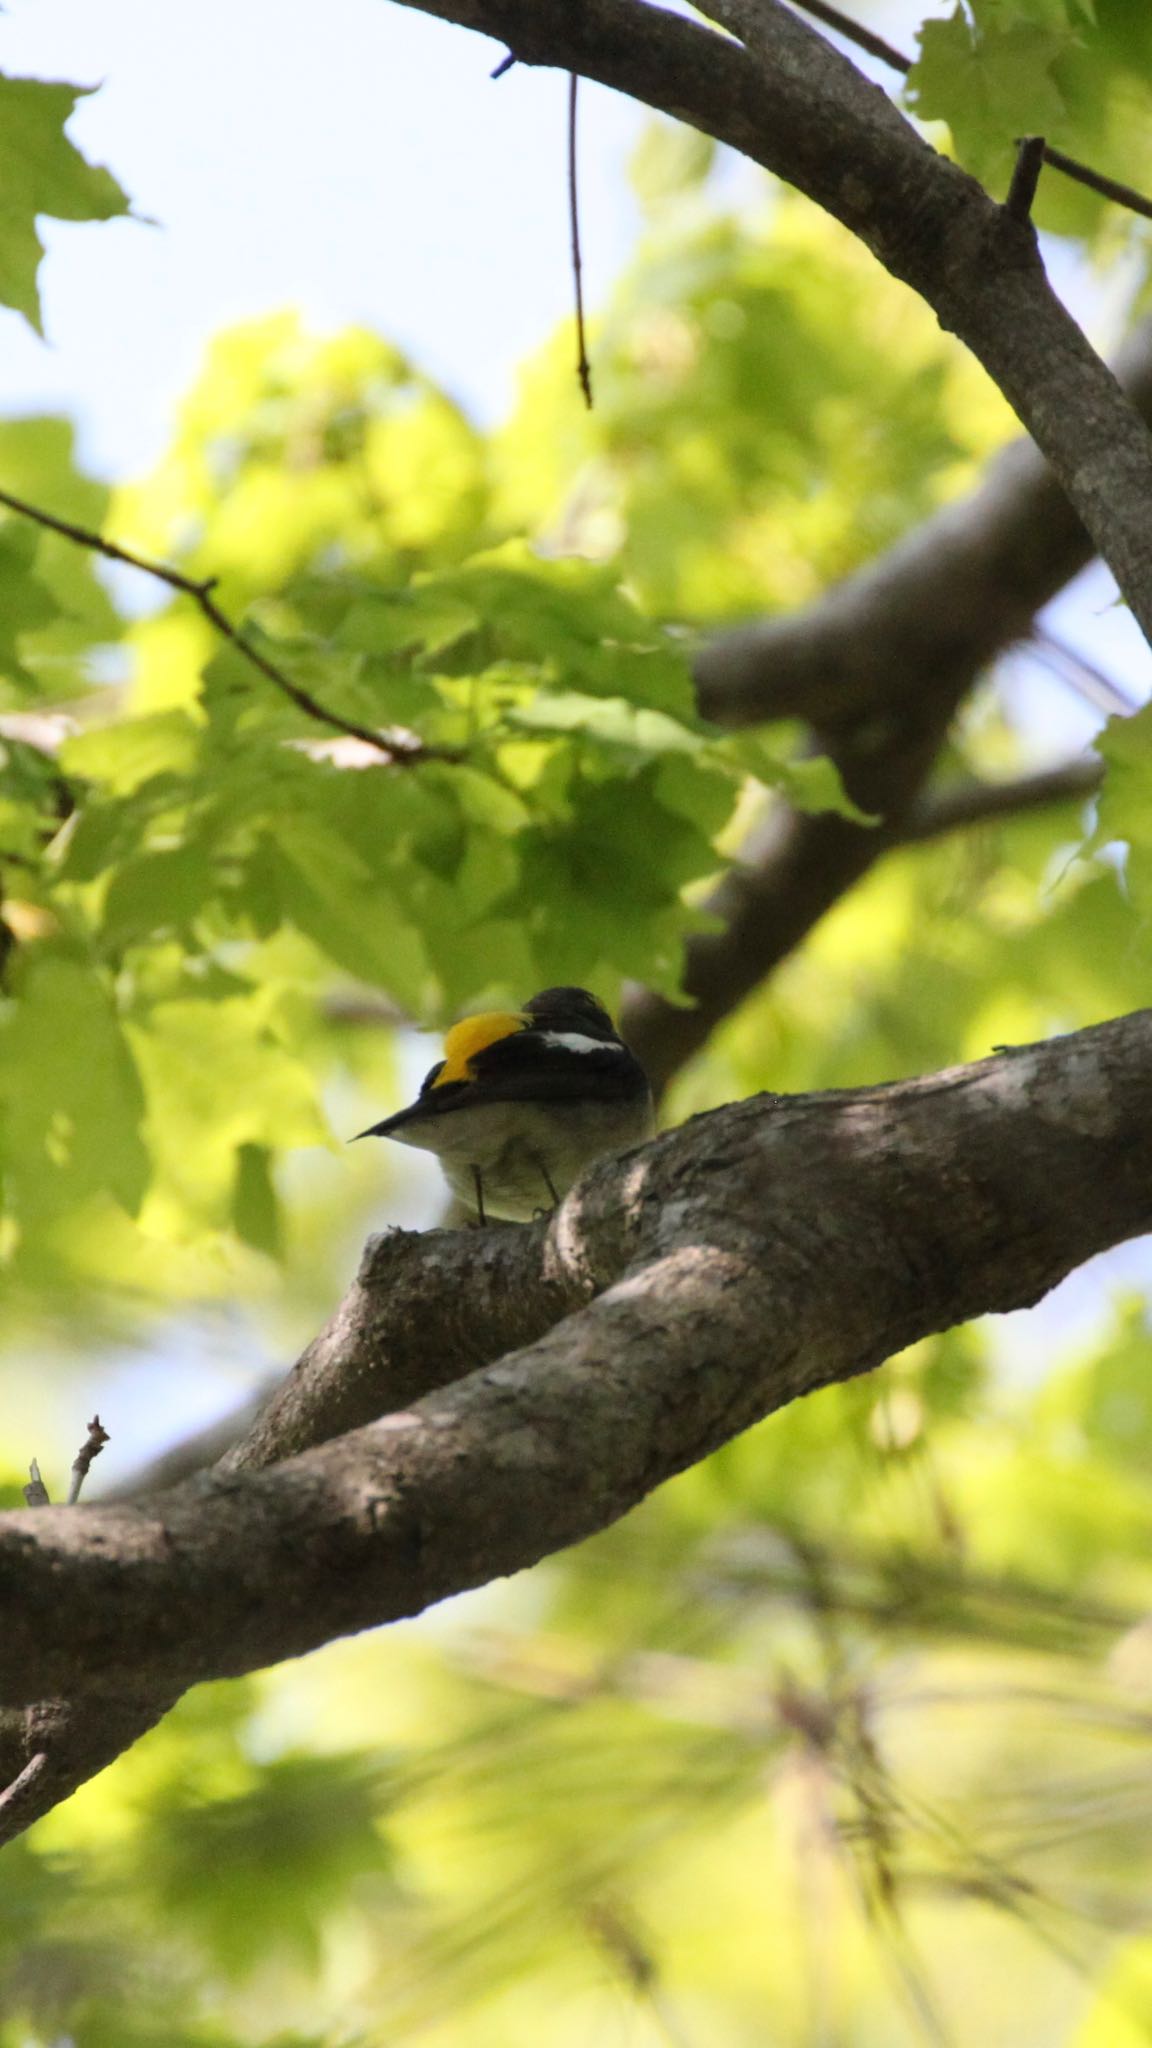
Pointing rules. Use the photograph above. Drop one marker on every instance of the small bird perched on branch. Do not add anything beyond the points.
(524, 1100)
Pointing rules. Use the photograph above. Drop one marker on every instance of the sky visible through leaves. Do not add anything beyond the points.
(868, 1694)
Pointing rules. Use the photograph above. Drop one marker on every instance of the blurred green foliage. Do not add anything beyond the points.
(842, 1741)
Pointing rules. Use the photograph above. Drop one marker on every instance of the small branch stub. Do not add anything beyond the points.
(89, 1450)
(1030, 154)
(36, 1493)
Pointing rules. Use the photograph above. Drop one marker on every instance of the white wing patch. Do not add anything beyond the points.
(579, 1041)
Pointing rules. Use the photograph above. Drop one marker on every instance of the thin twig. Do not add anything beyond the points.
(583, 367)
(854, 32)
(1030, 151)
(1084, 676)
(200, 591)
(1110, 188)
(36, 1494)
(89, 1450)
(504, 65)
(22, 1785)
(978, 803)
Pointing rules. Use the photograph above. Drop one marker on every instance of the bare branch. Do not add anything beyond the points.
(1030, 152)
(1083, 675)
(754, 1255)
(680, 1292)
(981, 803)
(791, 102)
(941, 604)
(864, 38)
(1110, 188)
(879, 665)
(394, 747)
(855, 32)
(82, 1463)
(16, 1797)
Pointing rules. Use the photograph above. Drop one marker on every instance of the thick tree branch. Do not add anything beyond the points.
(791, 102)
(864, 39)
(879, 666)
(931, 612)
(749, 1258)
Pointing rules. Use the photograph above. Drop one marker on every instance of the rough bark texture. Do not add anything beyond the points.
(680, 1293)
(938, 607)
(881, 664)
(546, 1379)
(791, 102)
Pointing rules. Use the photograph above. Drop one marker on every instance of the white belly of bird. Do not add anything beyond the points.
(519, 1147)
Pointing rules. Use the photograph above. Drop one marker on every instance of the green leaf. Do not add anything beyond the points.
(41, 172)
(811, 782)
(669, 160)
(252, 1871)
(610, 720)
(37, 463)
(219, 1077)
(130, 753)
(70, 1099)
(993, 79)
(25, 602)
(571, 622)
(255, 1208)
(157, 893)
(1124, 807)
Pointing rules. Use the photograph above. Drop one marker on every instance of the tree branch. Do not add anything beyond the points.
(981, 803)
(939, 605)
(791, 102)
(394, 747)
(855, 32)
(879, 666)
(864, 39)
(758, 1253)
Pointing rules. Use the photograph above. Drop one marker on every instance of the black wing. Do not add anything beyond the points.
(526, 1067)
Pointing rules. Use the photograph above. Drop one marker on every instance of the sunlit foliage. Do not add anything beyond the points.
(844, 1738)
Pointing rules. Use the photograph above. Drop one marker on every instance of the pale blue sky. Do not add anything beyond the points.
(364, 168)
(357, 163)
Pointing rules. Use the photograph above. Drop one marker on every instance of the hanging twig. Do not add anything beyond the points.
(583, 367)
(200, 589)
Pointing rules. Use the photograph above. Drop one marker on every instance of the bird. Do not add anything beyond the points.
(524, 1100)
